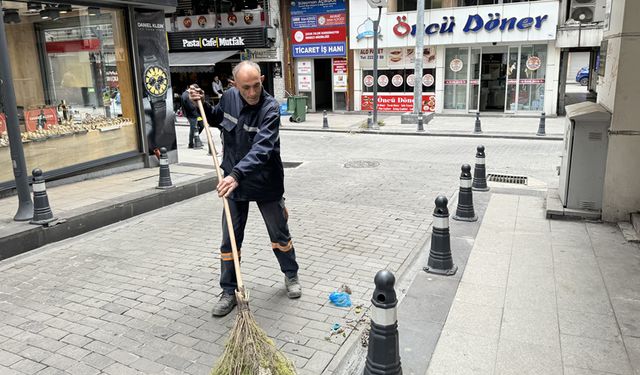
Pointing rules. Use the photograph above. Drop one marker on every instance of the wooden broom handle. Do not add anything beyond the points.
(227, 211)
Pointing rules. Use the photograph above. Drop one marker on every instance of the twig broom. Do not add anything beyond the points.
(248, 351)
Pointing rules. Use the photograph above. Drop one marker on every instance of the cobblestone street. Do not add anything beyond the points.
(135, 297)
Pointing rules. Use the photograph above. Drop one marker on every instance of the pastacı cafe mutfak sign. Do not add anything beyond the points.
(218, 39)
(214, 42)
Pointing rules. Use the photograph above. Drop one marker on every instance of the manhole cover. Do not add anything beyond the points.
(507, 179)
(361, 164)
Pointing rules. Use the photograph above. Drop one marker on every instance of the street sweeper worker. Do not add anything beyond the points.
(249, 119)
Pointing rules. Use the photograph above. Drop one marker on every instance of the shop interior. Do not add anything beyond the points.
(182, 77)
(72, 80)
(323, 81)
(493, 81)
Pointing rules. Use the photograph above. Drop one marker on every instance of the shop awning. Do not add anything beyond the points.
(197, 61)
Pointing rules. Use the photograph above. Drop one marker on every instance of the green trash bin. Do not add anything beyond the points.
(297, 105)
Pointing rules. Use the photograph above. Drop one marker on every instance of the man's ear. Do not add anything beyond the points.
(261, 79)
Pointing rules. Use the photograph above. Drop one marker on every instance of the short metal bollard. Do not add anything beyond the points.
(480, 171)
(325, 120)
(164, 182)
(440, 261)
(369, 120)
(465, 211)
(42, 213)
(541, 125)
(383, 357)
(420, 122)
(478, 125)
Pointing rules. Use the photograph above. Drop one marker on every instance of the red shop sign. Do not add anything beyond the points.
(397, 102)
(3, 123)
(319, 35)
(31, 118)
(73, 46)
(340, 66)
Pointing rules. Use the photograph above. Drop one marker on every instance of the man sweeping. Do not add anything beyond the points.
(249, 120)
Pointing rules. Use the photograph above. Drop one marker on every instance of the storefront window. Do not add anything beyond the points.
(512, 79)
(396, 79)
(533, 59)
(455, 78)
(72, 78)
(474, 82)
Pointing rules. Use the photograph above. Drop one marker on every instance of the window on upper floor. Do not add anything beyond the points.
(411, 5)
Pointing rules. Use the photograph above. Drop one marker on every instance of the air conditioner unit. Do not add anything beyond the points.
(587, 11)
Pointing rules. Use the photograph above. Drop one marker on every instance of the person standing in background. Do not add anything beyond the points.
(217, 86)
(190, 111)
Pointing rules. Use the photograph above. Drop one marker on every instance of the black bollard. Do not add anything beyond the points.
(541, 125)
(465, 211)
(42, 213)
(369, 120)
(480, 172)
(478, 126)
(440, 261)
(325, 120)
(383, 357)
(164, 182)
(420, 122)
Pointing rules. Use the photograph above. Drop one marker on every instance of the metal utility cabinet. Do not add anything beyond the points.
(584, 156)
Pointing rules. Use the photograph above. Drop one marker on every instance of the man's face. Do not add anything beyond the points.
(249, 84)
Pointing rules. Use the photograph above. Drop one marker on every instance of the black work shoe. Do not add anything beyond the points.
(294, 290)
(190, 146)
(225, 304)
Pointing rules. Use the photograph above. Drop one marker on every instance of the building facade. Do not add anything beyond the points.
(209, 38)
(318, 44)
(91, 85)
(498, 57)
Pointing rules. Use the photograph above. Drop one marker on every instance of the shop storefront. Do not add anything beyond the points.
(498, 58)
(319, 49)
(211, 44)
(76, 85)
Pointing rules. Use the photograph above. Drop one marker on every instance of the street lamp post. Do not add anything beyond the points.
(376, 25)
(417, 74)
(8, 96)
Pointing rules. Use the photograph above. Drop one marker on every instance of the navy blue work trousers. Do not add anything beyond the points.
(275, 215)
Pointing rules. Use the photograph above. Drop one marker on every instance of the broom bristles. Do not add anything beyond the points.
(249, 351)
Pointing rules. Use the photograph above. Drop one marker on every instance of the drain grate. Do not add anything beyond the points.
(507, 179)
(361, 164)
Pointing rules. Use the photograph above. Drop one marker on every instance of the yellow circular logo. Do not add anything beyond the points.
(156, 81)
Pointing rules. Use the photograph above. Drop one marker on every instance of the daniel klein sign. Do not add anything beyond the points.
(513, 22)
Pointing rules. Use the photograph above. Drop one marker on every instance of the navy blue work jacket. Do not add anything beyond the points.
(251, 141)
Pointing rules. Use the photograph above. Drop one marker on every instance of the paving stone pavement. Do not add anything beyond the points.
(543, 296)
(135, 297)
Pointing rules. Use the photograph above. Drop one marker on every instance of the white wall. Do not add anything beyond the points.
(618, 91)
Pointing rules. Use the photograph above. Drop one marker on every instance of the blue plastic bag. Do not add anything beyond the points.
(284, 110)
(340, 299)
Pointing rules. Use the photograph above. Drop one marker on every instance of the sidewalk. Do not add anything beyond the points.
(533, 296)
(86, 205)
(440, 125)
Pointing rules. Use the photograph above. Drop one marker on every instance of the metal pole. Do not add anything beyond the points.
(417, 87)
(8, 96)
(376, 24)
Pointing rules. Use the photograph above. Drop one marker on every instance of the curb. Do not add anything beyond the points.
(82, 221)
(432, 134)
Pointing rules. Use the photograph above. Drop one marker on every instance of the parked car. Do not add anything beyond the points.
(583, 76)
